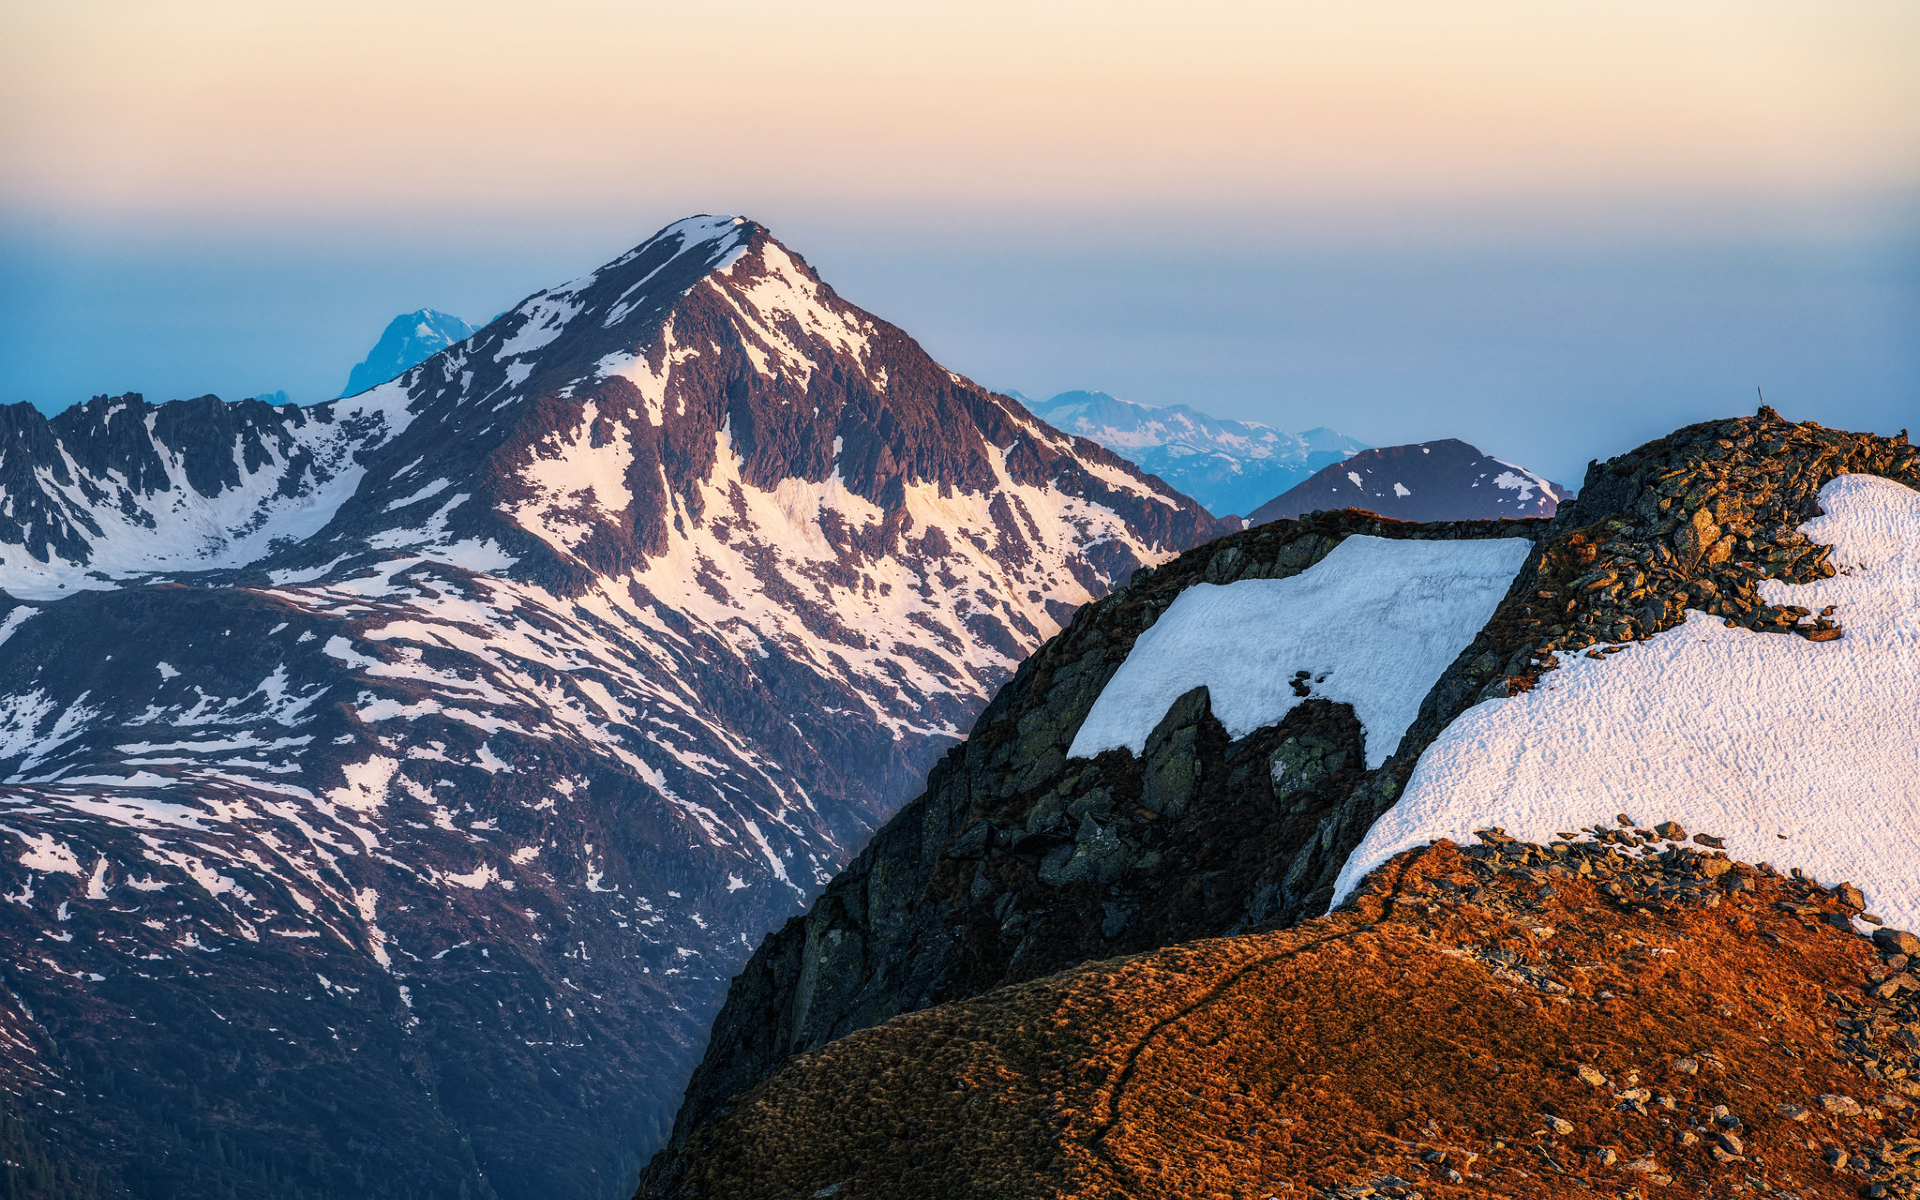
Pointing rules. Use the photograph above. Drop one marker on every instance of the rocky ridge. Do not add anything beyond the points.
(1019, 861)
(1620, 1012)
(391, 785)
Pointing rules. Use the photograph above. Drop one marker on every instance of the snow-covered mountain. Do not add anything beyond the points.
(392, 785)
(408, 339)
(1229, 466)
(1446, 480)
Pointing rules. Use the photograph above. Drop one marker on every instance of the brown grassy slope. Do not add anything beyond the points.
(1456, 1032)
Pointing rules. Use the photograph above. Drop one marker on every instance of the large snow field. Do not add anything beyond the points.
(1799, 754)
(1374, 623)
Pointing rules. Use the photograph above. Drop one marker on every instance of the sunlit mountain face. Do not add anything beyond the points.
(392, 784)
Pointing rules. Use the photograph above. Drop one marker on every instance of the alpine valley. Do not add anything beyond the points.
(392, 785)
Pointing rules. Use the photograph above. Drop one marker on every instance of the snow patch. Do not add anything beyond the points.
(46, 855)
(1798, 753)
(1374, 624)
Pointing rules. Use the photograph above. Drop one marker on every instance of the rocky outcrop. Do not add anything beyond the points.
(1019, 861)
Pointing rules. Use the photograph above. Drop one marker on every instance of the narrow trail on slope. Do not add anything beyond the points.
(1115, 1092)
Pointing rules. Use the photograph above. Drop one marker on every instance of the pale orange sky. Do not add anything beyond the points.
(1553, 228)
(347, 107)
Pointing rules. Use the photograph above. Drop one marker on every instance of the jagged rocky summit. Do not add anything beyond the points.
(1707, 639)
(1446, 480)
(1229, 466)
(409, 339)
(391, 785)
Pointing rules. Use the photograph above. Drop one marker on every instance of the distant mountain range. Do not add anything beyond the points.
(410, 339)
(1228, 466)
(1447, 480)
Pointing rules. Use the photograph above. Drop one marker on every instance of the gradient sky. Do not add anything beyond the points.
(1552, 229)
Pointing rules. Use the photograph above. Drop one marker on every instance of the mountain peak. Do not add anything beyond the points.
(1427, 481)
(1229, 466)
(566, 663)
(408, 339)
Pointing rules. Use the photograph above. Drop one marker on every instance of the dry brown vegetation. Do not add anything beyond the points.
(1457, 1032)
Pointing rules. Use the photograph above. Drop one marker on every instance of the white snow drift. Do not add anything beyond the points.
(1798, 753)
(1374, 623)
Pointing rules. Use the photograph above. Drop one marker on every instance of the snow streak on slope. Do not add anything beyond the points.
(1372, 625)
(1798, 753)
(972, 592)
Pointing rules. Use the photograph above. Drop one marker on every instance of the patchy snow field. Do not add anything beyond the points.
(1374, 623)
(1798, 753)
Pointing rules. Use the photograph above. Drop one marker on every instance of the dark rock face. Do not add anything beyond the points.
(1019, 861)
(1430, 481)
(1229, 466)
(391, 785)
(408, 339)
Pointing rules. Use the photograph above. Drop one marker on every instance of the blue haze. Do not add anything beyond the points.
(1548, 353)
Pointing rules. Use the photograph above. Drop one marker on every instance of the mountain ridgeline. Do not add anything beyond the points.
(938, 980)
(392, 784)
(1229, 466)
